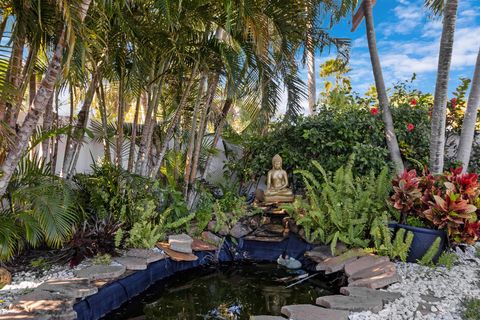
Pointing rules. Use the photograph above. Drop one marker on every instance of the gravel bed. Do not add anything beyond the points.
(432, 293)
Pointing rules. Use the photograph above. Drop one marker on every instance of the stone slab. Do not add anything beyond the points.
(364, 263)
(266, 318)
(149, 255)
(376, 282)
(321, 253)
(373, 271)
(180, 243)
(336, 264)
(385, 296)
(98, 272)
(132, 263)
(351, 303)
(199, 245)
(44, 302)
(174, 255)
(311, 312)
(75, 288)
(24, 316)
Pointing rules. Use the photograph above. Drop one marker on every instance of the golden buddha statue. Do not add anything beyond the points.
(277, 183)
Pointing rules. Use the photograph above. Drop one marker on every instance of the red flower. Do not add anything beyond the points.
(374, 111)
(453, 103)
(410, 127)
(413, 102)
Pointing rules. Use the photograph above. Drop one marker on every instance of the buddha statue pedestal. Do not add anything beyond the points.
(277, 184)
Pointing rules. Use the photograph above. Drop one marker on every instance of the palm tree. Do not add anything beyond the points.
(37, 108)
(391, 138)
(470, 119)
(439, 113)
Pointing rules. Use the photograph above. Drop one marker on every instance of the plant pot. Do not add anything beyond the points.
(422, 241)
(393, 225)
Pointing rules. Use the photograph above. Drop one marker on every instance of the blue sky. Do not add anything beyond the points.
(408, 39)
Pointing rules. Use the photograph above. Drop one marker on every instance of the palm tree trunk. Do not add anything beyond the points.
(193, 130)
(218, 131)
(14, 77)
(54, 156)
(391, 138)
(145, 141)
(470, 119)
(120, 121)
(174, 122)
(47, 125)
(131, 154)
(439, 113)
(69, 163)
(312, 89)
(37, 109)
(103, 116)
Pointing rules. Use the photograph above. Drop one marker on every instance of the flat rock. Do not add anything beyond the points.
(376, 282)
(364, 263)
(149, 255)
(175, 255)
(321, 253)
(311, 312)
(351, 303)
(273, 228)
(385, 296)
(75, 288)
(265, 239)
(199, 245)
(180, 243)
(44, 302)
(240, 230)
(336, 264)
(266, 318)
(98, 272)
(373, 271)
(22, 315)
(132, 263)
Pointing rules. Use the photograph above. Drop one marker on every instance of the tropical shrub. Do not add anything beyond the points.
(38, 208)
(448, 201)
(344, 207)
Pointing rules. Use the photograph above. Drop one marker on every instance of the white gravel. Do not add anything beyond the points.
(438, 290)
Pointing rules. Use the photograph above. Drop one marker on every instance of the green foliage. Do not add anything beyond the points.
(427, 259)
(343, 207)
(471, 309)
(384, 246)
(40, 208)
(447, 259)
(102, 259)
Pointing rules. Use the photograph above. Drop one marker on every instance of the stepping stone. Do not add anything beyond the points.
(377, 270)
(132, 263)
(321, 253)
(175, 255)
(351, 303)
(24, 316)
(180, 243)
(99, 272)
(75, 288)
(266, 318)
(199, 245)
(364, 263)
(336, 264)
(44, 302)
(149, 255)
(377, 282)
(385, 296)
(311, 312)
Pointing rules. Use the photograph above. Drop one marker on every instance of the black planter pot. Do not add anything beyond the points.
(422, 241)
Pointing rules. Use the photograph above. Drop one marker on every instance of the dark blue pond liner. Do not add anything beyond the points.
(422, 241)
(113, 295)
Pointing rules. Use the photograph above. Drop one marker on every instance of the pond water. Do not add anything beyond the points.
(233, 292)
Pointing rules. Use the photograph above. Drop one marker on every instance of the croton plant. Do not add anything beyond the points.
(449, 201)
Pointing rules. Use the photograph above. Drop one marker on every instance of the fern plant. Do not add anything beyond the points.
(427, 259)
(343, 207)
(384, 246)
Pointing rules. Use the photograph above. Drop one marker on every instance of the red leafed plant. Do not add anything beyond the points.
(448, 201)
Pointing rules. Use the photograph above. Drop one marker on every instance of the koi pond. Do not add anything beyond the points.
(231, 291)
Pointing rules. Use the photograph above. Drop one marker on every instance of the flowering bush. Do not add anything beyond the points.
(447, 201)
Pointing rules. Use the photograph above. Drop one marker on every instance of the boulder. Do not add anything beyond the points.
(5, 277)
(211, 237)
(180, 243)
(240, 230)
(212, 226)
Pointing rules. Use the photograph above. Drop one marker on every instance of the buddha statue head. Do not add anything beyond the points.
(277, 162)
